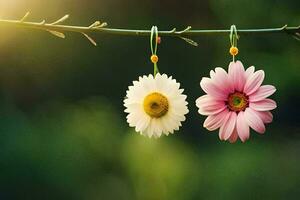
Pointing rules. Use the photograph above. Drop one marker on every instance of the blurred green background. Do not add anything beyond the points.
(63, 132)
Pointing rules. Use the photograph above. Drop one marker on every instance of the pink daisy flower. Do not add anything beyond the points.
(236, 101)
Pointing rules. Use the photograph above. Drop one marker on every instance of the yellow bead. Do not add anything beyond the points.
(233, 51)
(154, 59)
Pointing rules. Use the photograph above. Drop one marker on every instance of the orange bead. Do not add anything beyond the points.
(154, 59)
(233, 51)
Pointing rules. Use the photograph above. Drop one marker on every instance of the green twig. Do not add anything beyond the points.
(98, 27)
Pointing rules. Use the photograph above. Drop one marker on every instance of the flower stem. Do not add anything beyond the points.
(155, 69)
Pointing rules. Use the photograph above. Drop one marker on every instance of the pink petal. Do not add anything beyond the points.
(265, 116)
(221, 135)
(228, 126)
(263, 105)
(262, 93)
(254, 121)
(221, 80)
(253, 82)
(209, 106)
(212, 74)
(236, 73)
(233, 137)
(249, 71)
(242, 127)
(213, 122)
(210, 88)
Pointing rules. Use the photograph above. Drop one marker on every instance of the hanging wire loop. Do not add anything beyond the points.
(153, 46)
(233, 41)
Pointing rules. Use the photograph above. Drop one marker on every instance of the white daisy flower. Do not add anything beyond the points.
(155, 105)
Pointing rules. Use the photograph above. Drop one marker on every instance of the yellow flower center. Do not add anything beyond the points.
(237, 101)
(156, 105)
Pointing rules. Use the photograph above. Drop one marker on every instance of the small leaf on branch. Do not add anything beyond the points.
(25, 17)
(90, 39)
(101, 25)
(42, 22)
(190, 41)
(57, 34)
(64, 18)
(185, 30)
(284, 27)
(96, 23)
(296, 36)
(173, 30)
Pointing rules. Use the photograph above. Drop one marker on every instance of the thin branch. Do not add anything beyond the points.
(98, 27)
(132, 32)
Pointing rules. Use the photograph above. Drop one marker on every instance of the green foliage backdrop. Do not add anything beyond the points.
(63, 133)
